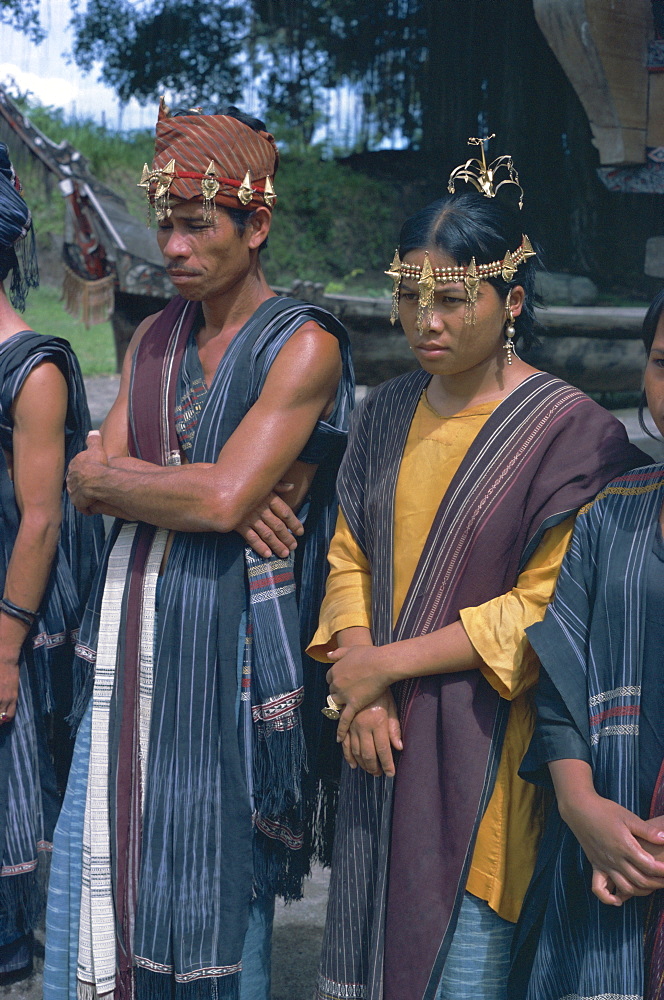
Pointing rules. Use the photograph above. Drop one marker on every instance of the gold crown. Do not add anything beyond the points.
(483, 177)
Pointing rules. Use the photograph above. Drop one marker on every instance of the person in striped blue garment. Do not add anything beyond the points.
(187, 811)
(48, 556)
(593, 919)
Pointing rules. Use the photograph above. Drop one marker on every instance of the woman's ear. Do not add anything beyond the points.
(515, 300)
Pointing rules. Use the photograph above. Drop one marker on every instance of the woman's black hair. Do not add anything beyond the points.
(648, 331)
(467, 225)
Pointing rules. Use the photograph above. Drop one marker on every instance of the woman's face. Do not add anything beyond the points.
(448, 345)
(654, 377)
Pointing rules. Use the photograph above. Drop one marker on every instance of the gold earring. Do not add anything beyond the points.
(509, 336)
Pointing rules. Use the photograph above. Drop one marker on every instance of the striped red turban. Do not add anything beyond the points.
(213, 158)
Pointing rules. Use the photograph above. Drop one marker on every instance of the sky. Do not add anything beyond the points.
(45, 71)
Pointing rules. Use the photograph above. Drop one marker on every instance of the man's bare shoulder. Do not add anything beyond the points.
(141, 330)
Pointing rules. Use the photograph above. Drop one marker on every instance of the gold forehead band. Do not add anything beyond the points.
(471, 275)
(211, 181)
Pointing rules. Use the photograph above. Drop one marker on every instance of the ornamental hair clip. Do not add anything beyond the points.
(483, 177)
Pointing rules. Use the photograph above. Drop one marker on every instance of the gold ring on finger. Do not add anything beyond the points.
(331, 710)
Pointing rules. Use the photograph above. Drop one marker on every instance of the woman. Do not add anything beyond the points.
(599, 739)
(458, 494)
(46, 561)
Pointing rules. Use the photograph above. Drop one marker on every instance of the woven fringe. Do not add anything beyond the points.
(160, 986)
(90, 301)
(23, 897)
(321, 832)
(280, 757)
(88, 991)
(277, 869)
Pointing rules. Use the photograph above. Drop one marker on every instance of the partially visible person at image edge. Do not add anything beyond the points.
(48, 557)
(593, 918)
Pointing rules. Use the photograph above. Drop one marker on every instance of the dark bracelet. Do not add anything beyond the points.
(14, 611)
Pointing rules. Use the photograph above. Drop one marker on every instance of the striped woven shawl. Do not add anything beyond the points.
(174, 856)
(544, 451)
(590, 645)
(28, 798)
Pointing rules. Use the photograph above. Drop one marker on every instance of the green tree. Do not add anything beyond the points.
(24, 16)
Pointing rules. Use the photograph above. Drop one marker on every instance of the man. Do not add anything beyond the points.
(190, 797)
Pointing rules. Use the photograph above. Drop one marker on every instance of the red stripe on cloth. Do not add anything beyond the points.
(611, 713)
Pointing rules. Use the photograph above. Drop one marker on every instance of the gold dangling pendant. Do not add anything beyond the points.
(509, 340)
(427, 288)
(395, 274)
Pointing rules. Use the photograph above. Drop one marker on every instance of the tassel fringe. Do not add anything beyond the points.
(90, 301)
(160, 986)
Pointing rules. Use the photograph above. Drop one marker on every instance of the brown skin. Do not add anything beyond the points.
(37, 467)
(468, 365)
(211, 263)
(626, 852)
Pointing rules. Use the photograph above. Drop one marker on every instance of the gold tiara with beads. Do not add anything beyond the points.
(483, 178)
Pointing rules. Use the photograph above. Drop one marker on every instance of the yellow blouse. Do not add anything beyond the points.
(508, 836)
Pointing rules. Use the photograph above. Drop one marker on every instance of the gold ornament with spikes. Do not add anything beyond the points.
(209, 187)
(509, 267)
(395, 274)
(163, 179)
(427, 286)
(482, 175)
(245, 194)
(527, 248)
(470, 275)
(269, 194)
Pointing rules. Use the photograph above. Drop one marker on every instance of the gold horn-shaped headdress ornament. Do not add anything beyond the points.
(269, 194)
(245, 194)
(483, 177)
(209, 188)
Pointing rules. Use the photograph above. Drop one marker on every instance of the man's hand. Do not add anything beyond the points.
(9, 677)
(83, 473)
(270, 527)
(373, 733)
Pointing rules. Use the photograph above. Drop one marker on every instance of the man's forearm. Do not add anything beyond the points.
(181, 498)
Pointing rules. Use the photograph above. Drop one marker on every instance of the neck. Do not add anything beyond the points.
(11, 322)
(492, 379)
(225, 314)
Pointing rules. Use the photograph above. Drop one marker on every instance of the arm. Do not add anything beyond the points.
(490, 638)
(39, 413)
(345, 619)
(218, 496)
(609, 835)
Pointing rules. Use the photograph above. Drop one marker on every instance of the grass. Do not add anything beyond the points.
(94, 348)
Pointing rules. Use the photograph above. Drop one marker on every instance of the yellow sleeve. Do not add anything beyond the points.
(347, 601)
(496, 629)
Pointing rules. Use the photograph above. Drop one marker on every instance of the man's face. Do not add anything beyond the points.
(203, 259)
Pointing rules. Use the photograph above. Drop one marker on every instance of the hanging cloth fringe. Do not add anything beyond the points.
(90, 301)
